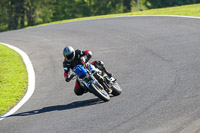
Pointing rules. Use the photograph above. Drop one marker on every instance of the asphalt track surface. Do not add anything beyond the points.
(156, 60)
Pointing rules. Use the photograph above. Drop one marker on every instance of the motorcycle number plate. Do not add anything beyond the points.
(91, 67)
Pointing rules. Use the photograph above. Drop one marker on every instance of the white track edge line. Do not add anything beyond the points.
(31, 80)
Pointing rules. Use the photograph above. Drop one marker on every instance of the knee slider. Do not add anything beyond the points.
(78, 92)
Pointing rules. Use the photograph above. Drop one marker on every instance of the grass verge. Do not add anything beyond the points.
(13, 78)
(186, 10)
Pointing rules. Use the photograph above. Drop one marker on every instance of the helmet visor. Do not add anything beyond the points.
(69, 57)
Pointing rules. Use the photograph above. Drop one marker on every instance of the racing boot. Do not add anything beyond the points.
(100, 65)
(109, 74)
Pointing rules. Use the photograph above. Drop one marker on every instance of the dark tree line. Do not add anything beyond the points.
(168, 3)
(16, 14)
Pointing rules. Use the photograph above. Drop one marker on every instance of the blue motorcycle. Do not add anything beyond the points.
(97, 82)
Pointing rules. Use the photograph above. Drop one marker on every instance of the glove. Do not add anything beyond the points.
(83, 59)
(86, 58)
(67, 79)
(72, 76)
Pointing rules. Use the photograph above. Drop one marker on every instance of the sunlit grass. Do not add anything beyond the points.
(13, 78)
(187, 10)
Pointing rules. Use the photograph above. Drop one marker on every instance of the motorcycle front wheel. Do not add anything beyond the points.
(99, 91)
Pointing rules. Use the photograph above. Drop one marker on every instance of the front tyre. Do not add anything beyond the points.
(116, 89)
(99, 91)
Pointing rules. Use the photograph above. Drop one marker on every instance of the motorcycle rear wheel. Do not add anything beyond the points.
(116, 89)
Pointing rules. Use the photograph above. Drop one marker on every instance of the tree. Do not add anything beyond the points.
(168, 3)
(127, 5)
(3, 15)
(16, 14)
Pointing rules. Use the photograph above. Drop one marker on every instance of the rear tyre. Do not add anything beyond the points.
(116, 89)
(99, 91)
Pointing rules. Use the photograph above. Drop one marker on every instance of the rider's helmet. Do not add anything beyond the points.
(69, 53)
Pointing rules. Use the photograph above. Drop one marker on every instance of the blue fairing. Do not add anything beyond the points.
(80, 71)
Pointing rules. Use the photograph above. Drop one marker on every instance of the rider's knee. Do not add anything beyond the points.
(79, 92)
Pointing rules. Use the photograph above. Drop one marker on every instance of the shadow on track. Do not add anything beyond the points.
(77, 104)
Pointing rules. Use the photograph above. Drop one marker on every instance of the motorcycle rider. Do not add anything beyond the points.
(77, 57)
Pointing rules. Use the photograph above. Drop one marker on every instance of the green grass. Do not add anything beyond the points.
(13, 78)
(187, 10)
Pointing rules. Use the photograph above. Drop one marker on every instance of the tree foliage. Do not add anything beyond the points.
(15, 14)
(168, 3)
